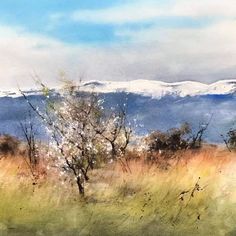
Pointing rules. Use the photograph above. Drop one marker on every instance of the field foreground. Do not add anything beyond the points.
(195, 194)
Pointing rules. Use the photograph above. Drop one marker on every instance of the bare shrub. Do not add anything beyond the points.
(28, 128)
(29, 131)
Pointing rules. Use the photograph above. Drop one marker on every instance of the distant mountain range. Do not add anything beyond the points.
(158, 89)
(150, 88)
(151, 105)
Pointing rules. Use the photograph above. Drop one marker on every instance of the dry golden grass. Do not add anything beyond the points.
(194, 194)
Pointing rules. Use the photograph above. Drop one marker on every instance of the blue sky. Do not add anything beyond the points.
(169, 40)
(36, 17)
(52, 18)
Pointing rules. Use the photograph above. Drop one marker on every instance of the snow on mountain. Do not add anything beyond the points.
(150, 88)
(149, 114)
(158, 89)
(28, 92)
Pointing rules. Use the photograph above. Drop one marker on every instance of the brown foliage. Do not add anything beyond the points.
(174, 139)
(9, 145)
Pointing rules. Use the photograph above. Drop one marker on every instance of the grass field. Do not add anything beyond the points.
(195, 195)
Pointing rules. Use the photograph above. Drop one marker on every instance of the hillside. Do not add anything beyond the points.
(145, 113)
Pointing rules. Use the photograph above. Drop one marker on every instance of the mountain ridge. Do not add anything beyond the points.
(149, 88)
(159, 89)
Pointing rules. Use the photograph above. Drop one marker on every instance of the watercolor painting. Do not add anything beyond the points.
(117, 118)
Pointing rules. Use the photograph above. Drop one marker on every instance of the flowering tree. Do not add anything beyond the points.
(117, 133)
(80, 130)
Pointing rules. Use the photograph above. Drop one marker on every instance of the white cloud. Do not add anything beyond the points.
(207, 8)
(149, 10)
(23, 54)
(117, 15)
(205, 54)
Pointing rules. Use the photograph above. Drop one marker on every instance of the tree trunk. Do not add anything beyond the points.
(80, 186)
(85, 174)
(113, 150)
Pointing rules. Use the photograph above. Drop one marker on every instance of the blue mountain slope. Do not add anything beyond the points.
(149, 114)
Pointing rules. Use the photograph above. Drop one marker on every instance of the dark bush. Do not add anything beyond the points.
(176, 138)
(9, 145)
(231, 142)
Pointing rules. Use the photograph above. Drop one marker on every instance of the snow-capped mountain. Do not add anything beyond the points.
(15, 93)
(159, 89)
(149, 88)
(153, 105)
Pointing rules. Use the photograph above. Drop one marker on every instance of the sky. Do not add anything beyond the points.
(121, 40)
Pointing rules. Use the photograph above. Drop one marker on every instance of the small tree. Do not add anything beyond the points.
(196, 139)
(79, 129)
(29, 131)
